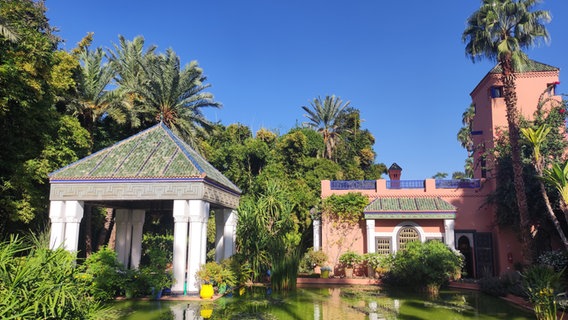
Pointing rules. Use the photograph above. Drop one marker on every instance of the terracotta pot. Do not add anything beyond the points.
(206, 291)
(348, 272)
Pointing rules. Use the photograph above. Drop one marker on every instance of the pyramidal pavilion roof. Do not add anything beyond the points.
(155, 154)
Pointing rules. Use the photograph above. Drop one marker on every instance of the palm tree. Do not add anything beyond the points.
(127, 60)
(176, 96)
(499, 31)
(324, 116)
(536, 138)
(94, 100)
(464, 135)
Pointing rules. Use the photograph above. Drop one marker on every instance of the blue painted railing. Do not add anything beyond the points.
(458, 184)
(353, 184)
(405, 184)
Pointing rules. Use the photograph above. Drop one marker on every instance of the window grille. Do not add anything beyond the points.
(406, 235)
(383, 245)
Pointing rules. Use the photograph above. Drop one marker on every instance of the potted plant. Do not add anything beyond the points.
(211, 276)
(325, 272)
(349, 259)
(315, 259)
(156, 280)
(377, 264)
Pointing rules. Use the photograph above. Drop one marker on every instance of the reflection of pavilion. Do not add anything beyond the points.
(152, 170)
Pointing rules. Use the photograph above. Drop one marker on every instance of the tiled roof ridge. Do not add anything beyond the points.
(531, 66)
(183, 147)
(409, 204)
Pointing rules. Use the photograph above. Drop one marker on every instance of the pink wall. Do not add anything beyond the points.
(471, 214)
(491, 113)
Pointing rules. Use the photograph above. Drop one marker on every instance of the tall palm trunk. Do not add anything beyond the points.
(88, 228)
(106, 228)
(509, 87)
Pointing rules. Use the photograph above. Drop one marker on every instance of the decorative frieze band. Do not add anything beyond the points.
(144, 191)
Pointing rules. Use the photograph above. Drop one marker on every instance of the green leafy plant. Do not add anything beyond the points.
(107, 274)
(315, 258)
(425, 265)
(39, 283)
(346, 208)
(155, 272)
(380, 263)
(349, 259)
(216, 274)
(542, 286)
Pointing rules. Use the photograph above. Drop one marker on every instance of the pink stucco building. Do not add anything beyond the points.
(453, 211)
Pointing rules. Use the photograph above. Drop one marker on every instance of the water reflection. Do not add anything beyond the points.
(341, 302)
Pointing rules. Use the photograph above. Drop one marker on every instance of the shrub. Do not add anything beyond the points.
(556, 259)
(107, 274)
(492, 286)
(313, 258)
(542, 285)
(426, 265)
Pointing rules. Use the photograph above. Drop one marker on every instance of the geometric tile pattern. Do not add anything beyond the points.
(153, 154)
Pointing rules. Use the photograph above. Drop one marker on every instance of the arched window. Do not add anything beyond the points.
(407, 234)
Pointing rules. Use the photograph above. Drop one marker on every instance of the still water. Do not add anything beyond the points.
(323, 303)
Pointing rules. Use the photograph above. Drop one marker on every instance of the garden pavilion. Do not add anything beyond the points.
(153, 170)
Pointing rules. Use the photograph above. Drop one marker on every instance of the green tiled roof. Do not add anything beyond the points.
(153, 154)
(409, 207)
(531, 66)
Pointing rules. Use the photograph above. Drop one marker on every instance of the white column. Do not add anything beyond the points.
(449, 233)
(181, 220)
(203, 255)
(371, 236)
(57, 217)
(73, 216)
(230, 232)
(198, 213)
(317, 234)
(219, 234)
(122, 245)
(138, 217)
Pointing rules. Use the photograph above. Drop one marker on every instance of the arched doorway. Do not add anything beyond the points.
(465, 248)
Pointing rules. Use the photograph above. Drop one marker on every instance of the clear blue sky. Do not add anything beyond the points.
(402, 64)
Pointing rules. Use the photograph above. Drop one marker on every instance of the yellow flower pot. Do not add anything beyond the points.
(206, 291)
(206, 313)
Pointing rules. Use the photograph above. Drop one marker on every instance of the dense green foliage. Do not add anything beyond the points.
(425, 266)
(38, 283)
(346, 208)
(551, 150)
(542, 285)
(105, 273)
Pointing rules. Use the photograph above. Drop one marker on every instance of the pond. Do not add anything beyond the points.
(332, 302)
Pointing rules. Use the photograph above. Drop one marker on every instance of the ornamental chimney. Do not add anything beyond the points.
(395, 171)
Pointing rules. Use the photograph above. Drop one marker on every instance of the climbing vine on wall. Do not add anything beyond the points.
(346, 208)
